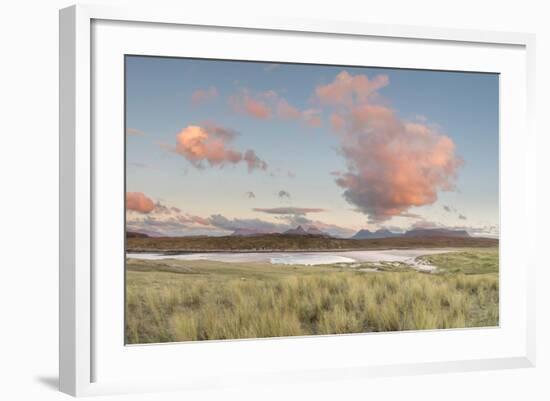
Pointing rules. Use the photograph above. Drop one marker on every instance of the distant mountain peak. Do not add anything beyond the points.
(312, 230)
(296, 231)
(381, 233)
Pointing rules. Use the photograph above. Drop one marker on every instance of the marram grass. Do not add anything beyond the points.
(173, 300)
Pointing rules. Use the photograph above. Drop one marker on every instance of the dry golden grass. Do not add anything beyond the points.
(180, 301)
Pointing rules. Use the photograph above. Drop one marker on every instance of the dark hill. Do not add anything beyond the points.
(436, 232)
(132, 234)
(289, 242)
(246, 232)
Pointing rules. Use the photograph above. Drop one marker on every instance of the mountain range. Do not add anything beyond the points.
(249, 232)
(418, 232)
(361, 234)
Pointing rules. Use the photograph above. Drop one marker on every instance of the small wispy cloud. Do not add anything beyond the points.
(300, 211)
(204, 95)
(450, 209)
(254, 105)
(284, 194)
(134, 132)
(271, 104)
(271, 66)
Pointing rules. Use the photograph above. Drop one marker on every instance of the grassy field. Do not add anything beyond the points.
(171, 300)
(298, 243)
(467, 261)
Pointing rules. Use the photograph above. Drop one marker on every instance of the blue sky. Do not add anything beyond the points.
(190, 123)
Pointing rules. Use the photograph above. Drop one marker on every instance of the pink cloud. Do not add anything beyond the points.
(312, 117)
(139, 202)
(287, 111)
(204, 95)
(268, 104)
(257, 108)
(392, 164)
(209, 144)
(253, 161)
(254, 106)
(347, 89)
(337, 122)
(196, 145)
(134, 132)
(190, 219)
(225, 134)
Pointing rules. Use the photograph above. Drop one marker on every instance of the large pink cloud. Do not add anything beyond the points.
(209, 144)
(392, 164)
(139, 202)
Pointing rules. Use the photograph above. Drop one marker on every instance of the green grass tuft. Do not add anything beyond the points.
(479, 261)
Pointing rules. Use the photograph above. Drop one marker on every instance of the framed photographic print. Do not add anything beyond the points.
(276, 200)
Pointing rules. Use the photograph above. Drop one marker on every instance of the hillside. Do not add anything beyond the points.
(436, 232)
(366, 234)
(285, 242)
(133, 234)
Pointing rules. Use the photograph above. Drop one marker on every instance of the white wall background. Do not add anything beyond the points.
(29, 197)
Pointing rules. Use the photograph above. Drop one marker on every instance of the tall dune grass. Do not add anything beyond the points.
(167, 306)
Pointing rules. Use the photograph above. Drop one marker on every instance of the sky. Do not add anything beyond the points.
(215, 146)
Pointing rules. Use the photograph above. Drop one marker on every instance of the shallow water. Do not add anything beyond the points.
(304, 258)
(309, 259)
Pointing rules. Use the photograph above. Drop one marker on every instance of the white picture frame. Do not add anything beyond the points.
(82, 344)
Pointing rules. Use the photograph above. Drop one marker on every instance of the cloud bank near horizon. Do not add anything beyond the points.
(151, 217)
(145, 215)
